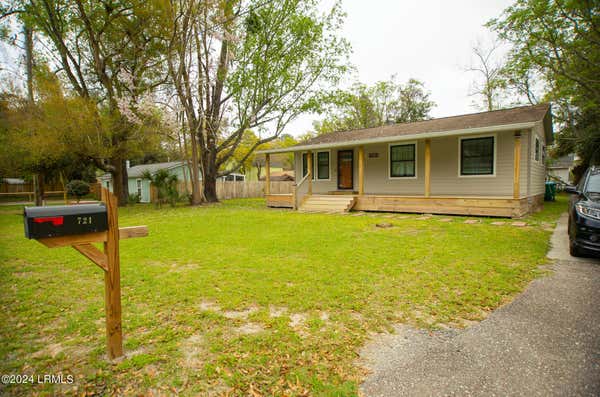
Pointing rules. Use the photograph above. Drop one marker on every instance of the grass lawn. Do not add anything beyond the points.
(239, 299)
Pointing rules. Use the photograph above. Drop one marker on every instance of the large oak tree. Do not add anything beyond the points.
(247, 65)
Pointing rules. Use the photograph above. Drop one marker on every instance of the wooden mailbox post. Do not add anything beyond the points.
(108, 261)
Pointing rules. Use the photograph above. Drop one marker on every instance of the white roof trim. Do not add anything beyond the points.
(397, 138)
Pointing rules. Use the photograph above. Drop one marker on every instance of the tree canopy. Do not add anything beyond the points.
(559, 41)
(365, 106)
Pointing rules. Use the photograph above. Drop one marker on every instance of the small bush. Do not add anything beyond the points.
(134, 198)
(78, 188)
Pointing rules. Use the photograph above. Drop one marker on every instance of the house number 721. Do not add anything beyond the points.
(84, 220)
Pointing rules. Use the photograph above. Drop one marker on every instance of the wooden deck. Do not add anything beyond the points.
(451, 205)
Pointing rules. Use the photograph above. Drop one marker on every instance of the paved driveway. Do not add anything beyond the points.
(545, 343)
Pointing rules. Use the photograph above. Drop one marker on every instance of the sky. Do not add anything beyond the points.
(430, 40)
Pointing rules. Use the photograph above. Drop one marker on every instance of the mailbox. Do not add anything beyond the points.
(64, 220)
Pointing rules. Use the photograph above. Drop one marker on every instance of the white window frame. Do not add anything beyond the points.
(138, 187)
(495, 160)
(316, 168)
(389, 160)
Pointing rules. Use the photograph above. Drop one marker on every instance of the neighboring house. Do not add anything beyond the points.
(280, 176)
(489, 163)
(138, 184)
(233, 177)
(561, 168)
(13, 181)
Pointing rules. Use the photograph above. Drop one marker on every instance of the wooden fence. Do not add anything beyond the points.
(51, 190)
(240, 189)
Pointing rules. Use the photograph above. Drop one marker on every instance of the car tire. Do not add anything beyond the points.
(573, 250)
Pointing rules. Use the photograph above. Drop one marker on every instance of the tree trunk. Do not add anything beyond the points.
(119, 181)
(196, 195)
(209, 161)
(39, 183)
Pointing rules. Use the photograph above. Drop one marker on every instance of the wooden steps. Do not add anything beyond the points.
(328, 203)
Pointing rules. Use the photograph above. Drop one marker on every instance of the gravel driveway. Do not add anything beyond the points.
(544, 343)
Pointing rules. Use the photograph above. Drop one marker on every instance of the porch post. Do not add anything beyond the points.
(517, 166)
(309, 164)
(361, 170)
(268, 175)
(427, 167)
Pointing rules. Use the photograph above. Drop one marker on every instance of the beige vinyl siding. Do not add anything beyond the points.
(537, 171)
(377, 180)
(524, 174)
(445, 180)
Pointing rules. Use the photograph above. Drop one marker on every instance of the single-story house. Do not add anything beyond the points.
(489, 163)
(138, 184)
(280, 176)
(561, 168)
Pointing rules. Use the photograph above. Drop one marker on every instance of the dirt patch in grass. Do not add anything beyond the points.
(248, 329)
(235, 314)
(194, 351)
(277, 311)
(209, 306)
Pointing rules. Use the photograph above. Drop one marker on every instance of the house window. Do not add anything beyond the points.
(139, 187)
(323, 165)
(537, 149)
(402, 160)
(477, 156)
(304, 164)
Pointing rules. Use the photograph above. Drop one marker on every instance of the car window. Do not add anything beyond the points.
(593, 183)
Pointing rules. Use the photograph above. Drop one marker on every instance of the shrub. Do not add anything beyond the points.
(134, 198)
(78, 188)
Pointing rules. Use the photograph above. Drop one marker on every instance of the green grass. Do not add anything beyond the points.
(332, 279)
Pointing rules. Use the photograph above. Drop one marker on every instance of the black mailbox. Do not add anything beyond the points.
(64, 220)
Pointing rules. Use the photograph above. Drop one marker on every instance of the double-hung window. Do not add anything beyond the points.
(403, 161)
(477, 156)
(304, 164)
(322, 165)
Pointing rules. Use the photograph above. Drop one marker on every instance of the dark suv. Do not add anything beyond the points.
(584, 215)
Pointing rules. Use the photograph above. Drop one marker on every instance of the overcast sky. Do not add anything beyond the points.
(430, 40)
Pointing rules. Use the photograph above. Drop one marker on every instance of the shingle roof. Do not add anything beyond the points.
(137, 170)
(517, 115)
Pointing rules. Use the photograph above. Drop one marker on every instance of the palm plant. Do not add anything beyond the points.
(166, 186)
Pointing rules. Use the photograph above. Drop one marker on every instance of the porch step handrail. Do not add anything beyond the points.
(295, 189)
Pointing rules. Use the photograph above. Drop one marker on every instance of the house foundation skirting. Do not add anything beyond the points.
(478, 206)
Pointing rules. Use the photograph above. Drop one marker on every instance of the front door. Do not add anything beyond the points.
(345, 169)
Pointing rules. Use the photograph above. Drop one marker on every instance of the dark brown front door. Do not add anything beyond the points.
(345, 169)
